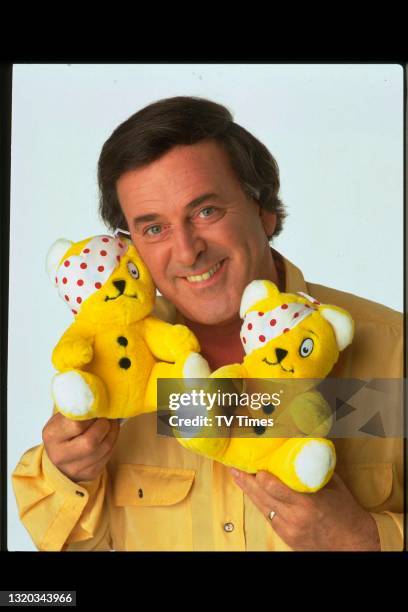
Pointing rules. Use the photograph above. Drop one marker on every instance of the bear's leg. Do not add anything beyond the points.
(304, 464)
(79, 395)
(193, 366)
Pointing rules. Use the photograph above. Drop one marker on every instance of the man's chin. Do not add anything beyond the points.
(205, 316)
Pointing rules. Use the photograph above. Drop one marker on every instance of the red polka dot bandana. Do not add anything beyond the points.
(259, 327)
(308, 297)
(79, 276)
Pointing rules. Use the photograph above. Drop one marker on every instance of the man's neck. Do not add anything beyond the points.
(229, 349)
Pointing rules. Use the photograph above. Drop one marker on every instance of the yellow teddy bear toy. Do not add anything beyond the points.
(285, 336)
(109, 359)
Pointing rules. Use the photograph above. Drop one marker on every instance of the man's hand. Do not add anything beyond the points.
(330, 519)
(80, 449)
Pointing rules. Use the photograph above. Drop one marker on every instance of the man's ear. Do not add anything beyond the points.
(268, 220)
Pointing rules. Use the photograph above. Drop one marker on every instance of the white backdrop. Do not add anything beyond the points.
(336, 132)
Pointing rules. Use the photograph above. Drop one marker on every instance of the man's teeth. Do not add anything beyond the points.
(202, 277)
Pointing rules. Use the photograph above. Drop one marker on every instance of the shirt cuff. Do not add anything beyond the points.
(61, 483)
(74, 497)
(390, 530)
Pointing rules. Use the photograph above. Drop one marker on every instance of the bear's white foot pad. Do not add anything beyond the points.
(195, 366)
(72, 394)
(313, 463)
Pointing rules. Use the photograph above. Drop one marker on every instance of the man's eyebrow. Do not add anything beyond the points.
(197, 201)
(190, 206)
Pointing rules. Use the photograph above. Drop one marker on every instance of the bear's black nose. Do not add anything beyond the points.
(120, 285)
(280, 354)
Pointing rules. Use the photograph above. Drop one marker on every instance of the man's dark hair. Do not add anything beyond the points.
(183, 120)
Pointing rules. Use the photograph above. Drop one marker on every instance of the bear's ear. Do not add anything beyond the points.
(54, 256)
(255, 292)
(342, 324)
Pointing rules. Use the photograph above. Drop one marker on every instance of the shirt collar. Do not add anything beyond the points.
(294, 278)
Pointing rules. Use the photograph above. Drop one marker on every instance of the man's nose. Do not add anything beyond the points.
(187, 245)
(280, 354)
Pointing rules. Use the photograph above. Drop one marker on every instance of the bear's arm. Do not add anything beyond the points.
(74, 349)
(168, 342)
(311, 413)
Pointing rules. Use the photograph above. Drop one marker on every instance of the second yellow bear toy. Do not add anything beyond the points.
(285, 337)
(109, 359)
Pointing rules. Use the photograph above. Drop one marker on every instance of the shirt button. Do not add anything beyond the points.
(228, 527)
(79, 493)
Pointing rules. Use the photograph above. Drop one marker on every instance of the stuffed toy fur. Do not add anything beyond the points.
(285, 336)
(109, 359)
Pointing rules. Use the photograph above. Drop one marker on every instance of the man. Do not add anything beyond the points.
(199, 196)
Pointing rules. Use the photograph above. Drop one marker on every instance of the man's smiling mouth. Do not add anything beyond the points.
(197, 278)
(277, 363)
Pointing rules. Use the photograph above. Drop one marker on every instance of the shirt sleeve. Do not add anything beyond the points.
(60, 514)
(390, 530)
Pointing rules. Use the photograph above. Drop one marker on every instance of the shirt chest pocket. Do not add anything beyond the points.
(152, 507)
(370, 483)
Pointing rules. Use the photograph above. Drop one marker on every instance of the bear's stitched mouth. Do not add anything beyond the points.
(292, 371)
(119, 295)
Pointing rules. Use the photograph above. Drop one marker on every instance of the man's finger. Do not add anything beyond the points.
(62, 429)
(101, 455)
(271, 509)
(97, 431)
(254, 487)
(85, 446)
(335, 482)
(276, 488)
(264, 502)
(83, 461)
(105, 446)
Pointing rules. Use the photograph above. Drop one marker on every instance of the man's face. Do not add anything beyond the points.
(201, 237)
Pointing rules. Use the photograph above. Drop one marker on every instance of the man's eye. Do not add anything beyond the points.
(207, 211)
(153, 230)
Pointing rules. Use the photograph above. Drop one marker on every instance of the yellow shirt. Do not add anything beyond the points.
(155, 495)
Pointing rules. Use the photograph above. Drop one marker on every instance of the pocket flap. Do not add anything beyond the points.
(148, 485)
(370, 483)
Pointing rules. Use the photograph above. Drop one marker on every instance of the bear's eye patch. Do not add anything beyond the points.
(306, 347)
(133, 271)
